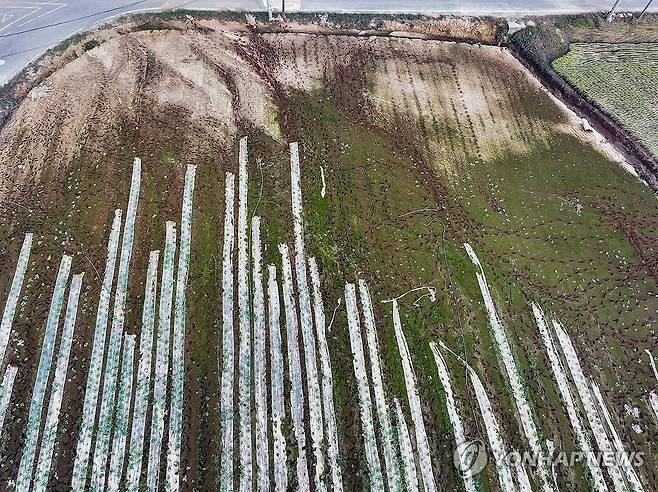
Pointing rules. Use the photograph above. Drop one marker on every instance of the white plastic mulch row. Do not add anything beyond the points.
(178, 355)
(227, 357)
(294, 370)
(120, 435)
(653, 401)
(83, 447)
(563, 387)
(494, 435)
(422, 444)
(104, 429)
(161, 359)
(513, 374)
(260, 388)
(26, 467)
(363, 388)
(6, 388)
(327, 379)
(406, 450)
(44, 462)
(306, 320)
(14, 293)
(627, 467)
(453, 414)
(244, 378)
(388, 439)
(276, 378)
(136, 449)
(587, 400)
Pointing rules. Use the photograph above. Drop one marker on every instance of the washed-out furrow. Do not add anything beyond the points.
(124, 396)
(406, 450)
(294, 370)
(306, 320)
(104, 429)
(47, 447)
(6, 389)
(426, 471)
(453, 415)
(161, 359)
(326, 379)
(178, 355)
(587, 400)
(563, 387)
(227, 360)
(83, 447)
(513, 375)
(26, 467)
(622, 455)
(280, 468)
(244, 321)
(12, 297)
(363, 389)
(260, 379)
(136, 448)
(391, 461)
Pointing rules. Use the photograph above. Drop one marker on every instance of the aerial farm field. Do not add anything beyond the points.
(371, 249)
(622, 79)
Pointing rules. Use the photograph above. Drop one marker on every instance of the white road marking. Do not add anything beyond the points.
(5, 393)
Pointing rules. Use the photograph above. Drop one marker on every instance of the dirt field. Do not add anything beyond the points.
(425, 145)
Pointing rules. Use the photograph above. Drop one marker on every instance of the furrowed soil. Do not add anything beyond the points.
(425, 145)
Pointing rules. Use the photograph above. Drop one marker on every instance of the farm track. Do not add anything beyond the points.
(398, 166)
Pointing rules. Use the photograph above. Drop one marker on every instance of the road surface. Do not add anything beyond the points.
(27, 28)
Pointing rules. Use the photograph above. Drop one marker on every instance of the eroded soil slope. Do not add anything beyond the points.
(424, 145)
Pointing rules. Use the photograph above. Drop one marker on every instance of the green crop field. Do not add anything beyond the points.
(622, 79)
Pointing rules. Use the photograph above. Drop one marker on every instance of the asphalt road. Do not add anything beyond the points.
(27, 28)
